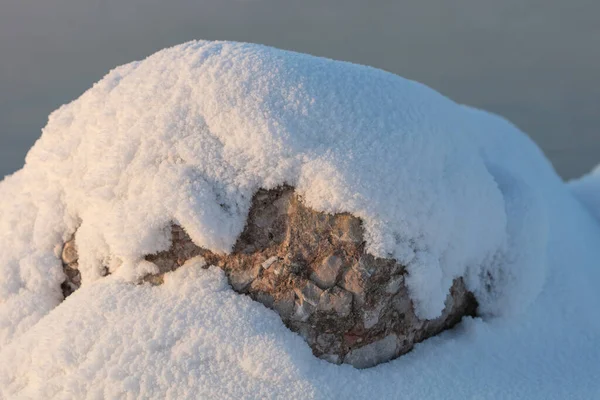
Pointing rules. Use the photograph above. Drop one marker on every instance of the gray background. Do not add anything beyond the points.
(533, 61)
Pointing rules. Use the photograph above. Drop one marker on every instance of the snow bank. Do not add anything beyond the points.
(188, 135)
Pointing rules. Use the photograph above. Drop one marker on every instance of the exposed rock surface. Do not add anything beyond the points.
(70, 267)
(311, 268)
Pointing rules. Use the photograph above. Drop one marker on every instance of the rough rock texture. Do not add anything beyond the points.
(311, 268)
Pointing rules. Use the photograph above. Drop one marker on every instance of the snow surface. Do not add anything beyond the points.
(188, 135)
(587, 190)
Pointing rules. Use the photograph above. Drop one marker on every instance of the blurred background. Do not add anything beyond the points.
(536, 62)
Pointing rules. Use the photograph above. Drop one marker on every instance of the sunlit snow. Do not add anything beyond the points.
(188, 135)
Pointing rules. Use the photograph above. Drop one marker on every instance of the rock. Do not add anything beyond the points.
(265, 299)
(69, 257)
(394, 284)
(285, 305)
(348, 229)
(269, 262)
(370, 317)
(330, 345)
(373, 353)
(325, 275)
(309, 293)
(240, 279)
(354, 281)
(303, 311)
(336, 300)
(312, 269)
(402, 303)
(69, 253)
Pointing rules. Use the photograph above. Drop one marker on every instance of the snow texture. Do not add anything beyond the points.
(187, 136)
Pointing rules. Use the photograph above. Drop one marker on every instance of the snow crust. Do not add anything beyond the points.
(188, 135)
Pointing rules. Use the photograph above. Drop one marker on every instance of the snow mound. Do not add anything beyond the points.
(189, 134)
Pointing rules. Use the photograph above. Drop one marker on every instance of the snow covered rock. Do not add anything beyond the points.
(187, 137)
(312, 268)
(190, 134)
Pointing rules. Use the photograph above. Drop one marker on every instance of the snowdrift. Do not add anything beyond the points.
(188, 135)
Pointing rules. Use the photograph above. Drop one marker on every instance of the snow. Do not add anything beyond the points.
(587, 190)
(188, 135)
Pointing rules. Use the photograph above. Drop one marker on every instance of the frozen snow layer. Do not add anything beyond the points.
(189, 134)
